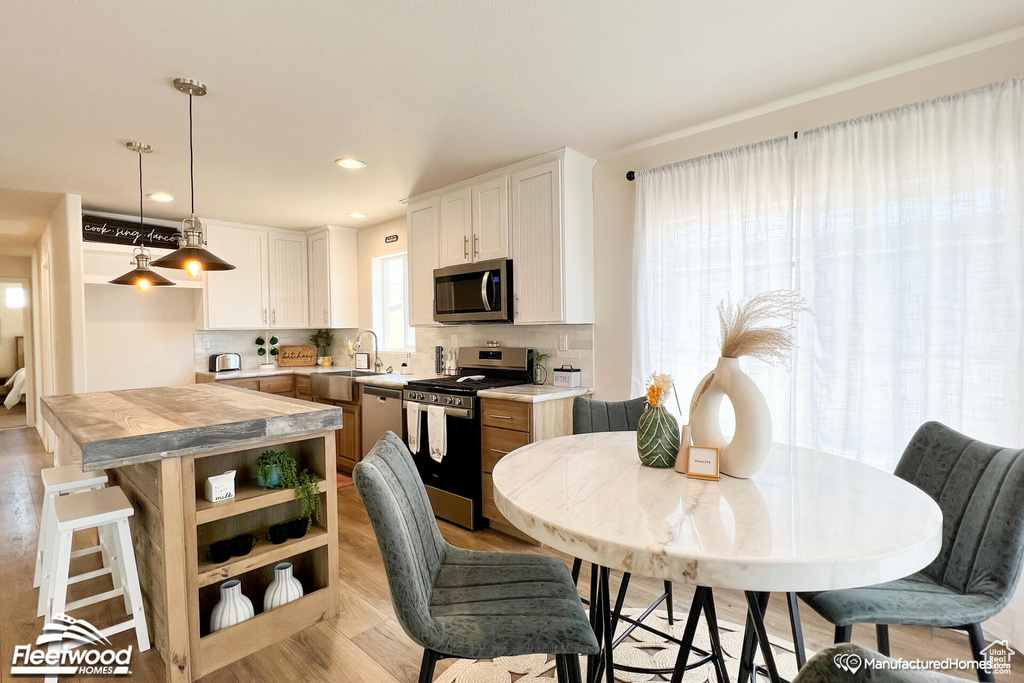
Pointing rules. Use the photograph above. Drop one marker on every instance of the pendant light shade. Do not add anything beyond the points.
(141, 276)
(191, 255)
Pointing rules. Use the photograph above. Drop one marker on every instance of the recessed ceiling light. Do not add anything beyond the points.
(357, 214)
(350, 163)
(160, 197)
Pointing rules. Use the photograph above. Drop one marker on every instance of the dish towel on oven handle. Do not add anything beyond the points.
(412, 426)
(437, 436)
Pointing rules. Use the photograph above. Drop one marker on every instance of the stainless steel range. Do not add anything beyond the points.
(454, 483)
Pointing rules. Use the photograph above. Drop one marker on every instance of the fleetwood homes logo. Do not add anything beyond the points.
(51, 658)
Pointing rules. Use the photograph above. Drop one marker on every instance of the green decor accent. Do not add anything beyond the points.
(322, 340)
(304, 483)
(657, 437)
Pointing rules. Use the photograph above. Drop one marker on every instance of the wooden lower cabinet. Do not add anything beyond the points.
(302, 387)
(349, 437)
(508, 425)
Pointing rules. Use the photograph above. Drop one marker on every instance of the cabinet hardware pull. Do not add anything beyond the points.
(264, 316)
(273, 316)
(502, 417)
(501, 452)
(465, 246)
(476, 244)
(325, 316)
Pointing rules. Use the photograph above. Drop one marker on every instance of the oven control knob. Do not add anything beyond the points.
(458, 401)
(419, 396)
(448, 400)
(433, 398)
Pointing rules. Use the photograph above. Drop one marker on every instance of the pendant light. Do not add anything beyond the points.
(141, 276)
(191, 256)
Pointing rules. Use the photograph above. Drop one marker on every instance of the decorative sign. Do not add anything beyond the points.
(362, 361)
(702, 463)
(390, 239)
(296, 355)
(113, 231)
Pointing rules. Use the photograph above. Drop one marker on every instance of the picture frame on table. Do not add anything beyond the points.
(703, 463)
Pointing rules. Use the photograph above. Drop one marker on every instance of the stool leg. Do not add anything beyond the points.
(49, 565)
(60, 567)
(111, 559)
(130, 577)
(44, 537)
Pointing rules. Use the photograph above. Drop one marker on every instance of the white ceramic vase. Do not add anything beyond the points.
(284, 589)
(743, 456)
(233, 607)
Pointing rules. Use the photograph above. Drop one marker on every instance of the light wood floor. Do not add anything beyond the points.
(15, 417)
(366, 642)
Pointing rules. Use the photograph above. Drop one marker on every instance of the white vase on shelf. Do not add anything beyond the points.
(233, 607)
(284, 589)
(743, 456)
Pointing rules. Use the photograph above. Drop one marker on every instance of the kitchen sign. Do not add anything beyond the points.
(113, 231)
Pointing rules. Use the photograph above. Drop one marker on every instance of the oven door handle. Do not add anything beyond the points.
(460, 413)
(483, 290)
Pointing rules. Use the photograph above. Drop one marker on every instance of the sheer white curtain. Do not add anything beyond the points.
(905, 233)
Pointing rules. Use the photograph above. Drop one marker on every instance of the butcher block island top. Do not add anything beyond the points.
(116, 428)
(160, 445)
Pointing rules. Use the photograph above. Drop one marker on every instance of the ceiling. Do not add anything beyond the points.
(23, 218)
(427, 93)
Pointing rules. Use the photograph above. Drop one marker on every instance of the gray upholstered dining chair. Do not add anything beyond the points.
(462, 603)
(589, 416)
(980, 490)
(849, 663)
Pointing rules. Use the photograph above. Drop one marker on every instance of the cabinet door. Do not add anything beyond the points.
(237, 298)
(289, 300)
(421, 226)
(349, 444)
(537, 243)
(490, 220)
(319, 280)
(456, 228)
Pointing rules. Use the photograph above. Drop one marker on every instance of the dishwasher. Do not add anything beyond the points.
(382, 411)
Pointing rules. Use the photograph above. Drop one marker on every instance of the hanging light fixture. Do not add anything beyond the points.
(141, 276)
(190, 255)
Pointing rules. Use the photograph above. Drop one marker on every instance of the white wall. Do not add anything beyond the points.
(62, 243)
(136, 339)
(614, 195)
(371, 245)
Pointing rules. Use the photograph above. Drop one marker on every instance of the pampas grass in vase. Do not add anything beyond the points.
(744, 333)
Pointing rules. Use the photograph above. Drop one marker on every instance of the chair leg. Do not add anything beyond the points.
(577, 565)
(620, 599)
(427, 666)
(844, 634)
(561, 674)
(572, 667)
(798, 632)
(668, 602)
(882, 638)
(977, 639)
(721, 675)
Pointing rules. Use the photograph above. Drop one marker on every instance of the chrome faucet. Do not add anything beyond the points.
(378, 366)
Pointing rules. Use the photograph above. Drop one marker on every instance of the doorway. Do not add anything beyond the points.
(15, 356)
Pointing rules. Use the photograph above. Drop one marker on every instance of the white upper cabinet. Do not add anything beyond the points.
(289, 303)
(333, 278)
(422, 219)
(537, 264)
(539, 212)
(490, 220)
(456, 228)
(237, 298)
(267, 288)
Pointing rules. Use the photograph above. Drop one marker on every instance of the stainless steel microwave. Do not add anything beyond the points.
(478, 292)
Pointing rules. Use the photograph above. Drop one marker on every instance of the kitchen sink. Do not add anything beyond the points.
(339, 385)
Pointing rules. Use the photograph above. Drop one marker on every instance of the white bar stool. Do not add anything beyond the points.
(106, 510)
(59, 481)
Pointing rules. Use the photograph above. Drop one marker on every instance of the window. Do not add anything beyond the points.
(390, 303)
(14, 296)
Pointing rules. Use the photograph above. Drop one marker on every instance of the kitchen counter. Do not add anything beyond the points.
(160, 445)
(115, 428)
(532, 393)
(390, 380)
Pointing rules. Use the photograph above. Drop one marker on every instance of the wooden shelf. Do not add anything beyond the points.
(248, 497)
(234, 642)
(262, 554)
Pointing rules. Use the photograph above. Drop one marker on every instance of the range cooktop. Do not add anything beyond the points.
(468, 387)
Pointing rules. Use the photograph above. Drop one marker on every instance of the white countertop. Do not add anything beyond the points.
(807, 521)
(390, 380)
(533, 393)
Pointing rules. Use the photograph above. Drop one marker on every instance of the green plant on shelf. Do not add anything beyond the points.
(287, 476)
(322, 340)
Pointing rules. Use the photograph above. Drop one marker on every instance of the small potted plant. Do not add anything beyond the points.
(273, 468)
(540, 373)
(278, 469)
(322, 340)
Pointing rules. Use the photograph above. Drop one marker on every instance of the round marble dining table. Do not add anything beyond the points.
(807, 521)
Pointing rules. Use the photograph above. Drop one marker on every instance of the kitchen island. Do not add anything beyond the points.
(160, 445)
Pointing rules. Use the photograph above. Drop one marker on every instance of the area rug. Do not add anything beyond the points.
(642, 648)
(344, 480)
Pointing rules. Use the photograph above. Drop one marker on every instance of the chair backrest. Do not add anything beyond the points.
(590, 416)
(410, 542)
(980, 490)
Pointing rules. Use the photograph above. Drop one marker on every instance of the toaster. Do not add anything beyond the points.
(219, 362)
